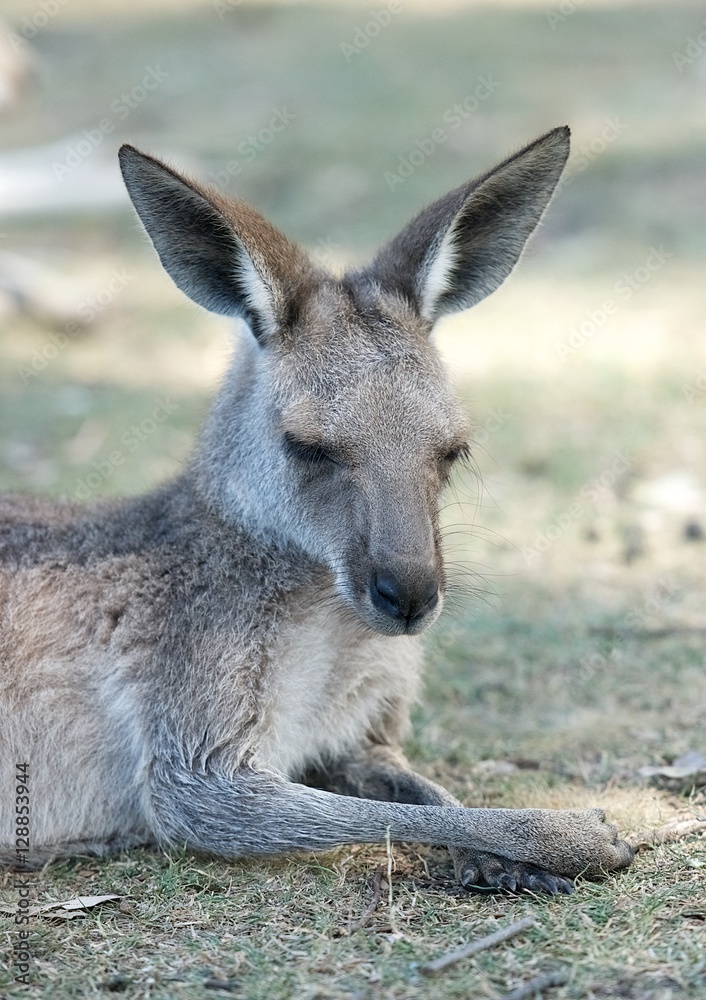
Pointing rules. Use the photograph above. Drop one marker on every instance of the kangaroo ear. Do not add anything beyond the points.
(462, 247)
(223, 254)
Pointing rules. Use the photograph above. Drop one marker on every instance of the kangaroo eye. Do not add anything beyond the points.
(309, 452)
(457, 452)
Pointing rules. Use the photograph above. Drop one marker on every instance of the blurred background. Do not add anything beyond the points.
(581, 528)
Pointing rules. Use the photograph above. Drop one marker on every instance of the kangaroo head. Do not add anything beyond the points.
(336, 428)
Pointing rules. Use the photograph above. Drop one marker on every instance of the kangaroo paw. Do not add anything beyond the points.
(479, 869)
(568, 842)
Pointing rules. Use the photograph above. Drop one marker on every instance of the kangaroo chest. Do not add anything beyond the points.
(327, 690)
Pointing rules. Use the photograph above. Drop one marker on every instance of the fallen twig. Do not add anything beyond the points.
(372, 905)
(676, 830)
(489, 941)
(534, 986)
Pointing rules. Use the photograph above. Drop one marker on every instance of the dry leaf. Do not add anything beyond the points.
(80, 903)
(67, 909)
(686, 772)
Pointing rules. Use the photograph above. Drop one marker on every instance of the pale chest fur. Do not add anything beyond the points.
(327, 691)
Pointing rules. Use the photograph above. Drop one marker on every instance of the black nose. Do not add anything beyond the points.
(404, 603)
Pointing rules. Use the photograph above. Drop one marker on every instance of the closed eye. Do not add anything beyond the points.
(309, 452)
(458, 452)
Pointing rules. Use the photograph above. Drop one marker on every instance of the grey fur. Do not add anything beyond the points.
(229, 661)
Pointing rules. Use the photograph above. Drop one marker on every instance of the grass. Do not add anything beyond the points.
(570, 654)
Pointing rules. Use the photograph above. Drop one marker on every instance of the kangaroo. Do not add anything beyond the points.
(228, 662)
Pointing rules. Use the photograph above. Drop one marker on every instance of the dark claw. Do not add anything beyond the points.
(543, 883)
(477, 869)
(552, 884)
(469, 877)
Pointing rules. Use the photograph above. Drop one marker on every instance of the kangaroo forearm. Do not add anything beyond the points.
(259, 815)
(255, 814)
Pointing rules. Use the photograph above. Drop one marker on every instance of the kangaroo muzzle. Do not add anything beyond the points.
(407, 601)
